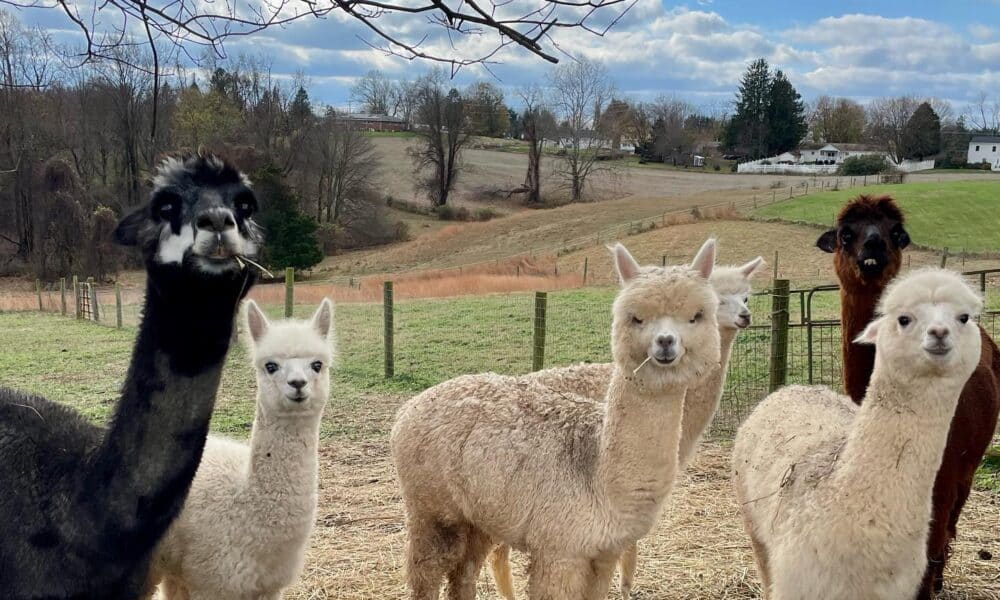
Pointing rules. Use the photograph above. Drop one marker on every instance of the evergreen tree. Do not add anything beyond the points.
(786, 116)
(291, 235)
(749, 127)
(922, 134)
(301, 109)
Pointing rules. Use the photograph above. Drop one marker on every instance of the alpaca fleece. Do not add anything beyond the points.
(836, 498)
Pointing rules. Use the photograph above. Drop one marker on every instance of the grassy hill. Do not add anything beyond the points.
(954, 214)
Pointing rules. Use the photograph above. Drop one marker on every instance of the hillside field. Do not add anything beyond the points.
(953, 214)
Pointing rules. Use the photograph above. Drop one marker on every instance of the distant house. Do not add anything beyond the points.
(373, 122)
(985, 148)
(834, 152)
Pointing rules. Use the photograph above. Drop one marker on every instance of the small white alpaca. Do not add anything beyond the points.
(487, 459)
(733, 286)
(836, 497)
(247, 520)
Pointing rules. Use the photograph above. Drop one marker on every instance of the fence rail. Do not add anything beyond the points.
(795, 338)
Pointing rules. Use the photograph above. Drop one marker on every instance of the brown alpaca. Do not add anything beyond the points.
(867, 244)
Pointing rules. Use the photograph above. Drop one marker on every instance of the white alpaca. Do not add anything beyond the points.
(247, 520)
(837, 498)
(732, 285)
(486, 459)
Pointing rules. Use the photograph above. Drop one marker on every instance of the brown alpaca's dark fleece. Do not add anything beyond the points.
(879, 222)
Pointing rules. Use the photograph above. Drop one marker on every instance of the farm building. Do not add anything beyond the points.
(985, 148)
(373, 122)
(837, 152)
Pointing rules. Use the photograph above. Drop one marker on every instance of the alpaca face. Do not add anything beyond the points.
(200, 217)
(928, 326)
(292, 359)
(664, 322)
(732, 285)
(868, 237)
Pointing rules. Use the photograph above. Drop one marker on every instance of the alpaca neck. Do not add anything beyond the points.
(857, 309)
(284, 463)
(136, 480)
(637, 460)
(702, 400)
(894, 449)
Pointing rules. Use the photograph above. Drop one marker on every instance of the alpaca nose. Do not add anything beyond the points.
(215, 220)
(939, 331)
(873, 239)
(298, 384)
(666, 341)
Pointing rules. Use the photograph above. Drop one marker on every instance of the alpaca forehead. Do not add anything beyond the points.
(729, 281)
(930, 287)
(292, 340)
(666, 296)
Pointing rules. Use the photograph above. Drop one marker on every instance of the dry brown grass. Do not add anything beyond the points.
(697, 551)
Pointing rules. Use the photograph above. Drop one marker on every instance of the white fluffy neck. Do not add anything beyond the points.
(702, 401)
(637, 460)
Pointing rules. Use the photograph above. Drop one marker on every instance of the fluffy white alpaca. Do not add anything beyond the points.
(247, 520)
(837, 498)
(486, 459)
(733, 286)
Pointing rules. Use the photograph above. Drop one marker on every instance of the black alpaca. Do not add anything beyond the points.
(82, 507)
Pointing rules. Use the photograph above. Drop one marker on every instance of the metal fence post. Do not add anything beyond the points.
(38, 292)
(390, 367)
(76, 296)
(779, 334)
(289, 291)
(62, 295)
(94, 310)
(538, 340)
(118, 305)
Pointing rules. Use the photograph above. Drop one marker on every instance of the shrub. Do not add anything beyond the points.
(485, 214)
(867, 164)
(765, 162)
(733, 168)
(717, 168)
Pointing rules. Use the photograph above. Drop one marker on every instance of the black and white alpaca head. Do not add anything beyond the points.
(200, 217)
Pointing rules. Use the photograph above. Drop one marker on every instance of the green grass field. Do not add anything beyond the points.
(956, 215)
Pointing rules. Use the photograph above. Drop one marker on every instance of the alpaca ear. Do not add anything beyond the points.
(870, 334)
(127, 231)
(322, 319)
(748, 270)
(828, 241)
(704, 261)
(257, 323)
(625, 265)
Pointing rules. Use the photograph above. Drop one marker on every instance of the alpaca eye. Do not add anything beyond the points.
(636, 320)
(846, 236)
(697, 317)
(963, 319)
(271, 367)
(316, 366)
(746, 299)
(904, 321)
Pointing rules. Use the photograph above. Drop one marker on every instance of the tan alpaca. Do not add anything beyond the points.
(486, 459)
(732, 285)
(836, 497)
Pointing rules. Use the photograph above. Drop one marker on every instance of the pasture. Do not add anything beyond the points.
(958, 215)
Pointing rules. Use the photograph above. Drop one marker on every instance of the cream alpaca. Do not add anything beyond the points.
(247, 520)
(732, 285)
(837, 498)
(486, 459)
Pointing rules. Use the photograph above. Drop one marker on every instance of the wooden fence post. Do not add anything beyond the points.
(38, 292)
(390, 367)
(94, 310)
(775, 276)
(944, 257)
(538, 340)
(982, 282)
(62, 295)
(663, 260)
(584, 270)
(779, 334)
(289, 291)
(118, 305)
(76, 296)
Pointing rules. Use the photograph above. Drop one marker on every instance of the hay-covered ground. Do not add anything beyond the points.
(697, 551)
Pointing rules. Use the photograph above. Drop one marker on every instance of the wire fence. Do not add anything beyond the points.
(426, 341)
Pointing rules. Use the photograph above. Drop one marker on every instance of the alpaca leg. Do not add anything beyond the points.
(961, 495)
(626, 567)
(500, 567)
(433, 551)
(464, 574)
(562, 579)
(763, 567)
(174, 589)
(937, 539)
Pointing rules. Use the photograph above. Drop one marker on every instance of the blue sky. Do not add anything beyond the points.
(695, 51)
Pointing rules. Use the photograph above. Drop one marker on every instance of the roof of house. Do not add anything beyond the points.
(857, 148)
(985, 138)
(371, 117)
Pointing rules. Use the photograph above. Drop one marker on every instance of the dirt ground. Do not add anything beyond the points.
(698, 550)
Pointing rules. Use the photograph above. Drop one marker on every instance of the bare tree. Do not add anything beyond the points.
(375, 92)
(580, 91)
(887, 118)
(538, 124)
(837, 120)
(441, 133)
(671, 139)
(349, 162)
(404, 100)
(984, 114)
(191, 24)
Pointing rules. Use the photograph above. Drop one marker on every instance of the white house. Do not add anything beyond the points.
(836, 152)
(814, 159)
(985, 148)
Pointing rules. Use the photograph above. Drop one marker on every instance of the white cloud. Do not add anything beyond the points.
(981, 32)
